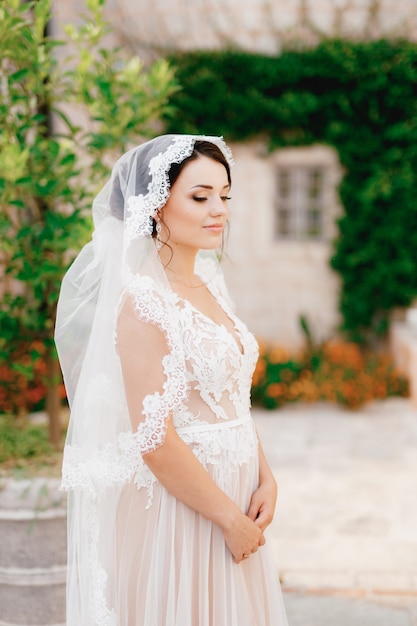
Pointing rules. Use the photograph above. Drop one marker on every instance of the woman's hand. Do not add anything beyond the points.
(262, 504)
(243, 537)
(263, 501)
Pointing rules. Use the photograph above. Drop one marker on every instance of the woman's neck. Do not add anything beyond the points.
(179, 265)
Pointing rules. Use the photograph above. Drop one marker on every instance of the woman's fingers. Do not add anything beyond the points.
(244, 539)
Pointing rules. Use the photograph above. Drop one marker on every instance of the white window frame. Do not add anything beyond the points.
(298, 165)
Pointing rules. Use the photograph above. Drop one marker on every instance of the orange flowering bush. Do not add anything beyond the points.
(336, 371)
(22, 380)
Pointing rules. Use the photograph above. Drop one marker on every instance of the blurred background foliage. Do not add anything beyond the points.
(61, 123)
(359, 98)
(68, 111)
(342, 372)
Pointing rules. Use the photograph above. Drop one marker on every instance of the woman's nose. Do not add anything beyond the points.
(219, 207)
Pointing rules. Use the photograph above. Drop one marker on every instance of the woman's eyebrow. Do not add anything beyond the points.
(209, 186)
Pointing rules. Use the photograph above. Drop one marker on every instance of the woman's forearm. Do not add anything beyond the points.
(180, 472)
(265, 472)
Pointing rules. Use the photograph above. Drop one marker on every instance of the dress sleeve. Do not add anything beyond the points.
(152, 364)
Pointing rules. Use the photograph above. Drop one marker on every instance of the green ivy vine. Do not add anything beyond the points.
(359, 98)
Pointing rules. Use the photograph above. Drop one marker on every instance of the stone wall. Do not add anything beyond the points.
(152, 27)
(256, 25)
(33, 531)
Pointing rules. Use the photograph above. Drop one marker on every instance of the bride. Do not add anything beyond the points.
(169, 490)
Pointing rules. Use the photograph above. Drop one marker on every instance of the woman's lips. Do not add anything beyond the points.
(214, 228)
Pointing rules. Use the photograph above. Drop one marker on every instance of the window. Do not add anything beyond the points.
(305, 196)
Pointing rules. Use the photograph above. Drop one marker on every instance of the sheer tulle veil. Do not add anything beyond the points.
(100, 457)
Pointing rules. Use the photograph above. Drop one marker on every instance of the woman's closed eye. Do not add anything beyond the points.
(204, 198)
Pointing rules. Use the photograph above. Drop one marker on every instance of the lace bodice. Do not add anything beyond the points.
(208, 369)
(218, 365)
(175, 361)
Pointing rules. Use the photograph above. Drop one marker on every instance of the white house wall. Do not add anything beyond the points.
(274, 282)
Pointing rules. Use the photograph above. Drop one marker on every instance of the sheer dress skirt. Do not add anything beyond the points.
(174, 568)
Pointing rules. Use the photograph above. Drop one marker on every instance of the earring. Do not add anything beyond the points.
(158, 242)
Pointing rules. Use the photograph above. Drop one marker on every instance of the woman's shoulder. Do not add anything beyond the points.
(152, 301)
(210, 271)
(145, 286)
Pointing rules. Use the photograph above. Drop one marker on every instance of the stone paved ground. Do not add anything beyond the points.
(345, 532)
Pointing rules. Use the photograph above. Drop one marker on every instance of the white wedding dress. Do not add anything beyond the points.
(150, 560)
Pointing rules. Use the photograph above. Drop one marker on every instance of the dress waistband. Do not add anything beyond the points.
(199, 428)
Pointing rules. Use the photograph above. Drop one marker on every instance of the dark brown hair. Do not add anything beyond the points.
(201, 148)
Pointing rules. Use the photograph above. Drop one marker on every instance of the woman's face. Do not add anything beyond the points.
(196, 211)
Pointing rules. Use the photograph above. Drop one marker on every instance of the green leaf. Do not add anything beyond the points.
(18, 203)
(68, 159)
(17, 76)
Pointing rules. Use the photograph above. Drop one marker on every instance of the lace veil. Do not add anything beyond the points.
(100, 456)
(121, 249)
